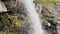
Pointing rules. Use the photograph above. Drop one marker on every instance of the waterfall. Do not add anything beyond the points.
(36, 26)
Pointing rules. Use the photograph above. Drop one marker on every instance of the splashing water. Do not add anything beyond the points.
(36, 26)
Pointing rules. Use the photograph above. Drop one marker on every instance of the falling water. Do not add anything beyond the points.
(36, 26)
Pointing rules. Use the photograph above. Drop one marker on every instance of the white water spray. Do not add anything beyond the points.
(36, 25)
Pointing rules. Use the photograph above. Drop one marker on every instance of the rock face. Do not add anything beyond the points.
(50, 14)
(2, 7)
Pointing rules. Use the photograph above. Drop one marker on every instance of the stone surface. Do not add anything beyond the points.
(2, 7)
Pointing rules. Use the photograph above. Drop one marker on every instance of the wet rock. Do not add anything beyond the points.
(21, 9)
(10, 4)
(53, 22)
(21, 17)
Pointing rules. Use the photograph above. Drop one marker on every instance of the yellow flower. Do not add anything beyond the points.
(17, 23)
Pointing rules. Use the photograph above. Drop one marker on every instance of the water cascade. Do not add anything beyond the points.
(36, 26)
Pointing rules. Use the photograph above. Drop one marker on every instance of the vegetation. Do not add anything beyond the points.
(13, 22)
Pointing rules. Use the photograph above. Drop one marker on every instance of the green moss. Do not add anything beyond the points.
(12, 32)
(44, 21)
(39, 1)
